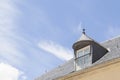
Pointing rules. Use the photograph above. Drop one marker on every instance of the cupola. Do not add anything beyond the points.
(87, 51)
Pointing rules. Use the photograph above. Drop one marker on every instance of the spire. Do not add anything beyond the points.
(84, 37)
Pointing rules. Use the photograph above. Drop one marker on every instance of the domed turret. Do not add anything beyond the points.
(87, 51)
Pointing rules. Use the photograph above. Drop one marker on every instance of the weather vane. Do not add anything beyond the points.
(83, 31)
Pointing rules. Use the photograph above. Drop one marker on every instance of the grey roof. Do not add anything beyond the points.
(112, 45)
(85, 37)
(83, 41)
(61, 70)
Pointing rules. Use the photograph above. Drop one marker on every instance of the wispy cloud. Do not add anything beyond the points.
(56, 49)
(112, 31)
(78, 28)
(8, 19)
(8, 72)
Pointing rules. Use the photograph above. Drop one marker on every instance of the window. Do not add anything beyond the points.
(83, 58)
(83, 51)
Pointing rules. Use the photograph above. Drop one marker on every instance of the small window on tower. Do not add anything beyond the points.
(83, 58)
(83, 51)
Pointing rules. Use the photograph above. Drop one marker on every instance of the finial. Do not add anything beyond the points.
(83, 31)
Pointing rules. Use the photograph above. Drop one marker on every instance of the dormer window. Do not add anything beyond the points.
(87, 51)
(83, 57)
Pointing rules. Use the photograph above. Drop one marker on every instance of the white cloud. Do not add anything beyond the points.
(9, 51)
(80, 27)
(56, 49)
(8, 72)
(8, 19)
(112, 31)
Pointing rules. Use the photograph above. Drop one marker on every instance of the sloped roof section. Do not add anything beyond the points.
(85, 37)
(83, 41)
(114, 52)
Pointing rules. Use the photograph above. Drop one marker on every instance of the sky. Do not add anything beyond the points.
(37, 35)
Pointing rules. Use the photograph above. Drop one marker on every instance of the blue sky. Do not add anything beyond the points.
(37, 35)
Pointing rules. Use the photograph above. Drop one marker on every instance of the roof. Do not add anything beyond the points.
(113, 47)
(91, 69)
(83, 41)
(85, 37)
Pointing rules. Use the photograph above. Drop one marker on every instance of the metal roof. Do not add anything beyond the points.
(85, 37)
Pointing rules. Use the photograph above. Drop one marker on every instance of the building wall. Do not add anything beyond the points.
(105, 71)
